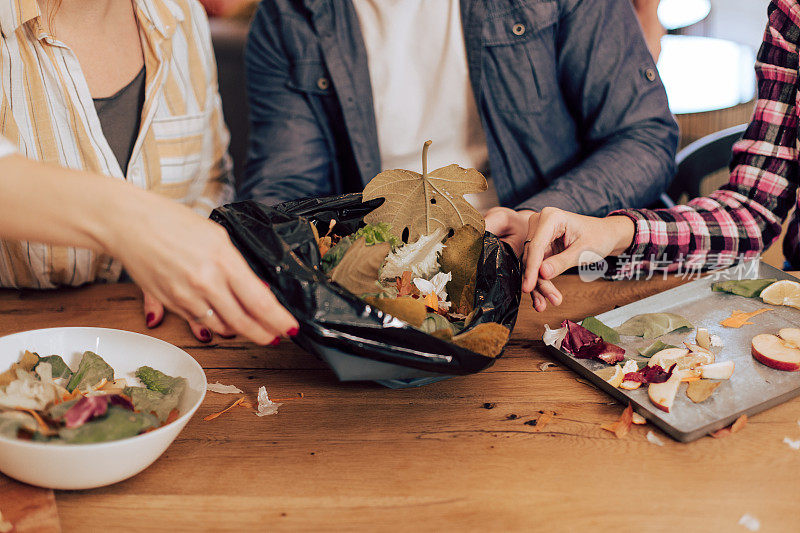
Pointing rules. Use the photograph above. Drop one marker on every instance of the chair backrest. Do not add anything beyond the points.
(701, 158)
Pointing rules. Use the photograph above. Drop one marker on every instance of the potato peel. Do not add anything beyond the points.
(700, 390)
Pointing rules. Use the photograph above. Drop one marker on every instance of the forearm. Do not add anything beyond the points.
(46, 203)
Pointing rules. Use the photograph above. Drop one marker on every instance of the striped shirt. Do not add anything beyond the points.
(743, 217)
(48, 114)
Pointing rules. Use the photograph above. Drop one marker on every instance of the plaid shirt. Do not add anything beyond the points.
(743, 217)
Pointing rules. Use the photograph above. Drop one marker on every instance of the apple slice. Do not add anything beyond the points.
(702, 338)
(791, 336)
(630, 385)
(775, 352)
(721, 370)
(663, 394)
(666, 357)
(708, 355)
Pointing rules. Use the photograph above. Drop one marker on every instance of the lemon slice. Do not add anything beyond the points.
(616, 379)
(782, 292)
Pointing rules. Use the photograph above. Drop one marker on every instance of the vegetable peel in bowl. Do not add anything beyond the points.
(47, 402)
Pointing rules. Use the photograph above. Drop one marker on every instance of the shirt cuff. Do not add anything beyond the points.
(641, 232)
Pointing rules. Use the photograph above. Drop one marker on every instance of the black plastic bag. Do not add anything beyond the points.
(356, 340)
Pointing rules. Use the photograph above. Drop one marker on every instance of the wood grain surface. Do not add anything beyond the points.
(30, 509)
(462, 454)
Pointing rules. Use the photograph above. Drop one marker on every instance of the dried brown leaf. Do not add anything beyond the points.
(405, 308)
(544, 419)
(736, 426)
(460, 257)
(621, 427)
(423, 203)
(701, 390)
(487, 339)
(740, 423)
(358, 270)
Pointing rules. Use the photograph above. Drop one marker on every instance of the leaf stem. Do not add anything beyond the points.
(425, 158)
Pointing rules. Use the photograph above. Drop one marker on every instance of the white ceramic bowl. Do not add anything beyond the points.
(85, 466)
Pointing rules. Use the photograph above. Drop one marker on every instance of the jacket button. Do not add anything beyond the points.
(323, 84)
(650, 74)
(518, 29)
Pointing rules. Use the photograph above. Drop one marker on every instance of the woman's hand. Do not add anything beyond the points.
(556, 239)
(188, 264)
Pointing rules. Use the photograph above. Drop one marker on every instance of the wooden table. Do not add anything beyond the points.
(357, 456)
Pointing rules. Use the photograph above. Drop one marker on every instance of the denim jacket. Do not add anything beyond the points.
(574, 113)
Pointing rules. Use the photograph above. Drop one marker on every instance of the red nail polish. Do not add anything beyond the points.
(266, 284)
(292, 332)
(150, 320)
(228, 336)
(275, 342)
(205, 335)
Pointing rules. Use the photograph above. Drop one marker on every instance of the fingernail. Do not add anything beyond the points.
(275, 342)
(205, 335)
(227, 336)
(150, 320)
(266, 284)
(292, 332)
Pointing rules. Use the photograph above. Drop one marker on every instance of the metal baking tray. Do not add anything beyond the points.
(753, 387)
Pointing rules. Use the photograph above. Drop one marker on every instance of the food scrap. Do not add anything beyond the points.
(265, 405)
(781, 351)
(750, 522)
(740, 318)
(46, 401)
(783, 292)
(544, 418)
(793, 444)
(740, 423)
(215, 415)
(653, 439)
(428, 277)
(621, 427)
(219, 388)
(583, 344)
(652, 325)
(749, 288)
(699, 391)
(547, 364)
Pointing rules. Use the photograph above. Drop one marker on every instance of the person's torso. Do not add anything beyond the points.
(420, 85)
(47, 111)
(511, 52)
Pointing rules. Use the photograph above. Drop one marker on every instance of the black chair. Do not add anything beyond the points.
(700, 159)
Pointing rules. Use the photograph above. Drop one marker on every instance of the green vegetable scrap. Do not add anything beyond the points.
(333, 256)
(160, 382)
(652, 325)
(91, 371)
(434, 322)
(749, 288)
(654, 348)
(598, 328)
(56, 411)
(117, 423)
(161, 396)
(377, 233)
(149, 401)
(60, 368)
